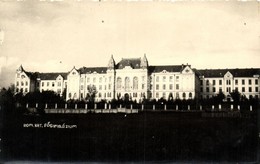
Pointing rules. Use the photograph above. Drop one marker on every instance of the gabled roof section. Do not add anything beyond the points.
(132, 62)
(89, 70)
(168, 68)
(247, 72)
(51, 76)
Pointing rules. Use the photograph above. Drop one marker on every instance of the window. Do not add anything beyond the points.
(53, 84)
(100, 79)
(105, 87)
(157, 78)
(177, 95)
(81, 87)
(250, 89)
(142, 86)
(59, 84)
(171, 78)
(127, 83)
(134, 94)
(201, 82)
(59, 91)
(243, 89)
(177, 86)
(190, 95)
(164, 78)
(17, 83)
(177, 78)
(26, 83)
(256, 81)
(81, 80)
(21, 89)
(207, 89)
(22, 83)
(236, 82)
(207, 82)
(220, 89)
(119, 83)
(214, 82)
(184, 95)
(249, 81)
(236, 88)
(170, 86)
(26, 90)
(48, 84)
(214, 89)
(164, 86)
(243, 82)
(201, 89)
(17, 89)
(143, 78)
(109, 86)
(18, 75)
(256, 89)
(228, 82)
(135, 83)
(157, 86)
(220, 82)
(42, 84)
(157, 95)
(164, 95)
(99, 95)
(100, 87)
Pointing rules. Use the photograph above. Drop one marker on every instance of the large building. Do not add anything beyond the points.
(135, 79)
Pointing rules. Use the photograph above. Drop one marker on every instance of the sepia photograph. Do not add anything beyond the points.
(125, 81)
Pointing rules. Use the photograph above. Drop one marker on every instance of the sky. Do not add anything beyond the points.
(49, 36)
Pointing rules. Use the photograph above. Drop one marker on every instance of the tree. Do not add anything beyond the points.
(220, 97)
(235, 96)
(92, 91)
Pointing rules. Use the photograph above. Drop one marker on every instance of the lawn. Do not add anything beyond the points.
(142, 137)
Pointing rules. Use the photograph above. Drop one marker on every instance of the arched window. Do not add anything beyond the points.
(184, 95)
(127, 83)
(135, 83)
(190, 95)
(119, 83)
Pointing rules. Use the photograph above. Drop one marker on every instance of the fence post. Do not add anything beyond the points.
(66, 106)
(165, 107)
(56, 105)
(86, 106)
(219, 106)
(188, 107)
(238, 107)
(232, 107)
(251, 108)
(105, 105)
(95, 106)
(131, 106)
(176, 107)
(76, 106)
(142, 107)
(109, 106)
(36, 105)
(200, 107)
(212, 107)
(153, 107)
(27, 105)
(46, 106)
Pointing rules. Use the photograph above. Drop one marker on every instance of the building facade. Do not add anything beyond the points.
(134, 79)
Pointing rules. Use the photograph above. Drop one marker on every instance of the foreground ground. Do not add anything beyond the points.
(147, 136)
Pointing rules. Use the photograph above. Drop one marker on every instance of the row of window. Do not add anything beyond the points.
(51, 83)
(184, 95)
(109, 95)
(99, 88)
(94, 79)
(22, 90)
(209, 96)
(228, 82)
(228, 89)
(164, 78)
(22, 83)
(177, 87)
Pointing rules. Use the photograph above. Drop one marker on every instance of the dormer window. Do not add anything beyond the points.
(22, 76)
(73, 73)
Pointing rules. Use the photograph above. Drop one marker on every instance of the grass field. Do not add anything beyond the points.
(143, 137)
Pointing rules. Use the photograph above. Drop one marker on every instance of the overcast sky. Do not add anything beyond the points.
(55, 36)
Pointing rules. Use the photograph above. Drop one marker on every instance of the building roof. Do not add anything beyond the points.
(168, 68)
(51, 76)
(132, 62)
(247, 72)
(88, 70)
